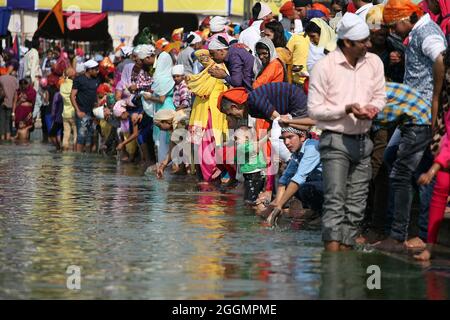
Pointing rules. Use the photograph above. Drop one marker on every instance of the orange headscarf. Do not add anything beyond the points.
(396, 10)
(236, 95)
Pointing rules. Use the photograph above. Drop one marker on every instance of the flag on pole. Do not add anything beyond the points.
(58, 11)
(16, 47)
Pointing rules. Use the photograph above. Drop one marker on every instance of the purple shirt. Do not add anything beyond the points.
(57, 108)
(240, 66)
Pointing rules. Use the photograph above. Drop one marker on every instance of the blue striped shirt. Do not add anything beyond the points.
(282, 97)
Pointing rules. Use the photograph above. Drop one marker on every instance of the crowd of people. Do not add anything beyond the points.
(342, 106)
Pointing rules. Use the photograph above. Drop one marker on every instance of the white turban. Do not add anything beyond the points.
(91, 64)
(126, 51)
(98, 113)
(80, 68)
(197, 38)
(352, 27)
(217, 24)
(265, 10)
(137, 49)
(178, 70)
(216, 44)
(145, 51)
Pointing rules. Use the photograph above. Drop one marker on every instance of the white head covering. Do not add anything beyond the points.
(91, 64)
(215, 44)
(126, 51)
(80, 68)
(146, 51)
(265, 10)
(23, 50)
(217, 24)
(258, 65)
(298, 26)
(98, 113)
(178, 70)
(137, 49)
(197, 38)
(352, 27)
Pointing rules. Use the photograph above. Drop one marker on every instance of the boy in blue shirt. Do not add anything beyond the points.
(303, 175)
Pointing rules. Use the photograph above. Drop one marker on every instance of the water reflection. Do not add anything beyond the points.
(138, 238)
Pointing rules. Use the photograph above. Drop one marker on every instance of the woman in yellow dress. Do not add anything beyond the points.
(207, 125)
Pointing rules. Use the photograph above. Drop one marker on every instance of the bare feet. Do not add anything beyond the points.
(423, 256)
(332, 246)
(415, 243)
(274, 217)
(343, 247)
(390, 244)
(361, 240)
(373, 237)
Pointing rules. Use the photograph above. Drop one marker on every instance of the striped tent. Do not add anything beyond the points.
(210, 7)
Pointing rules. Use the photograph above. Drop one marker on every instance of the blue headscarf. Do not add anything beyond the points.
(314, 14)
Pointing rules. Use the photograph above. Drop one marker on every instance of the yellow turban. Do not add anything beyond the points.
(374, 17)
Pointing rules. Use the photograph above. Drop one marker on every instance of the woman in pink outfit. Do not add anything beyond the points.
(439, 11)
(440, 169)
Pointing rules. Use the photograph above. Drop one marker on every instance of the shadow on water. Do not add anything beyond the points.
(138, 238)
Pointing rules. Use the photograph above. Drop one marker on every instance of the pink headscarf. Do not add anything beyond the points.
(119, 109)
(424, 6)
(444, 5)
(445, 13)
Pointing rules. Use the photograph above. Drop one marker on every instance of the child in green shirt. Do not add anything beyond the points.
(251, 161)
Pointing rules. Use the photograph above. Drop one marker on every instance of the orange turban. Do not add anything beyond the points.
(321, 7)
(287, 9)
(396, 10)
(161, 44)
(236, 95)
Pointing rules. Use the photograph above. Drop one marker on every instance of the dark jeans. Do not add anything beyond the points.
(311, 195)
(253, 185)
(413, 144)
(85, 130)
(378, 191)
(425, 193)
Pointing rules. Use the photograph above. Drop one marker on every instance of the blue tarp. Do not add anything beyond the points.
(5, 15)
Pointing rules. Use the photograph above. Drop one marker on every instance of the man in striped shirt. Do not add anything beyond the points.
(267, 102)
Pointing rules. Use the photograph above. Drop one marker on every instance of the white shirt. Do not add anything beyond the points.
(31, 66)
(363, 11)
(433, 45)
(315, 54)
(251, 35)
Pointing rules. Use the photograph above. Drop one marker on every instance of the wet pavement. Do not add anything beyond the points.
(135, 237)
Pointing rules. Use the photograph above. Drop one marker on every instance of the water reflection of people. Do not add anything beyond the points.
(342, 276)
(207, 261)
